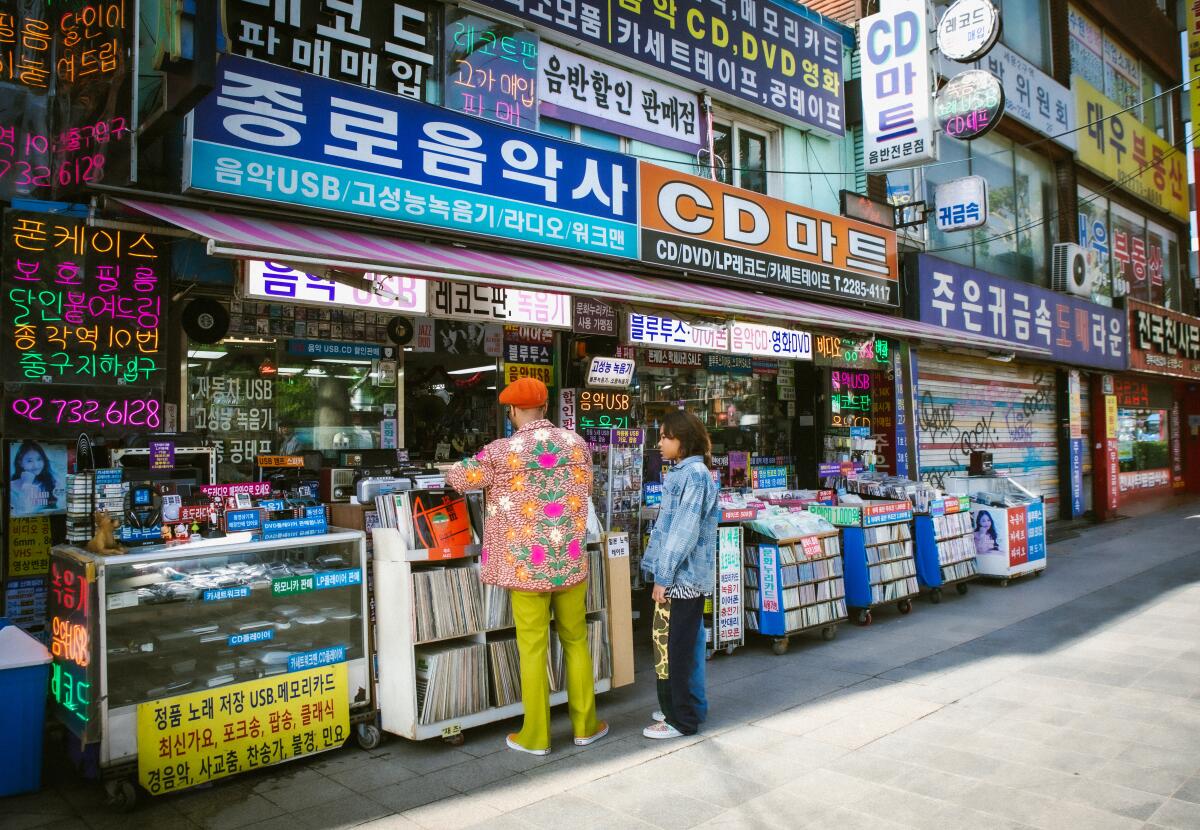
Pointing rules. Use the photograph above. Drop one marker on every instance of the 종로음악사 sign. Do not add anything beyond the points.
(970, 105)
(961, 204)
(272, 134)
(704, 226)
(757, 53)
(897, 82)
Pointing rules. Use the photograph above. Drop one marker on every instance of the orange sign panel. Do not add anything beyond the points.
(707, 227)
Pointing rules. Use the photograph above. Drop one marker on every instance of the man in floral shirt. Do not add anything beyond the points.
(537, 484)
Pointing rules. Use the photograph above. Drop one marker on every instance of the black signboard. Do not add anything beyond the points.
(74, 672)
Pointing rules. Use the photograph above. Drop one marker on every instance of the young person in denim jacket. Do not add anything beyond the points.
(681, 559)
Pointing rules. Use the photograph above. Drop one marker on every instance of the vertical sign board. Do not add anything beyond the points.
(74, 628)
(276, 135)
(770, 614)
(727, 611)
(896, 86)
(1075, 439)
(900, 404)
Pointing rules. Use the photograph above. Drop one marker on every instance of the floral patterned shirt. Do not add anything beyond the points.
(537, 485)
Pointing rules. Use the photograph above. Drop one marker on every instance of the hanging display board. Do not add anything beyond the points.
(968, 30)
(1008, 409)
(961, 204)
(74, 674)
(970, 105)
(491, 69)
(897, 78)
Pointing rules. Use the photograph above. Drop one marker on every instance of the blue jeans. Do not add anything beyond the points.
(696, 680)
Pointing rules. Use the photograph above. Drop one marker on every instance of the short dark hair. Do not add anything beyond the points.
(691, 434)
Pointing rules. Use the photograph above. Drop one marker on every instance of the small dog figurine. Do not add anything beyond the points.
(104, 541)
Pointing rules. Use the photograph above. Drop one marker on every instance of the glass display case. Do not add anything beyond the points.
(170, 621)
(1008, 521)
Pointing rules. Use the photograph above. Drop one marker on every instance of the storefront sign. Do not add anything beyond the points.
(760, 54)
(1119, 147)
(1077, 449)
(578, 89)
(729, 587)
(704, 226)
(1145, 480)
(1110, 417)
(273, 134)
(1030, 95)
(1192, 63)
(28, 548)
(471, 301)
(604, 410)
(594, 317)
(190, 739)
(490, 69)
(1076, 331)
(769, 341)
(896, 85)
(334, 348)
(276, 282)
(970, 105)
(1162, 341)
(967, 30)
(728, 364)
(961, 204)
(656, 330)
(97, 410)
(613, 372)
(851, 352)
(1133, 394)
(1176, 439)
(770, 614)
(74, 675)
(515, 371)
(671, 357)
(900, 407)
(526, 353)
(383, 45)
(81, 305)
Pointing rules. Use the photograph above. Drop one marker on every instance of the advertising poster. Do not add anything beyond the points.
(191, 739)
(37, 478)
(29, 543)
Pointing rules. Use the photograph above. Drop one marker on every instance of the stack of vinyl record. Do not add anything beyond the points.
(446, 603)
(452, 681)
(505, 669)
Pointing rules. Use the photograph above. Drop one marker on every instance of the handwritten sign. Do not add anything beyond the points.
(81, 305)
(190, 739)
(491, 70)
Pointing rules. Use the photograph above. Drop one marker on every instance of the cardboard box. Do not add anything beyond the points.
(620, 607)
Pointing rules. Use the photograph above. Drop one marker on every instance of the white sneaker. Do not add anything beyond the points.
(662, 731)
(657, 716)
(511, 740)
(601, 731)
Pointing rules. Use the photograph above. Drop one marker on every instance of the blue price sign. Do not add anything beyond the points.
(282, 136)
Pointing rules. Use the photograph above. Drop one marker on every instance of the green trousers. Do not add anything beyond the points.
(531, 614)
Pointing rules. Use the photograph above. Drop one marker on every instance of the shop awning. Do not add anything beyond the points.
(244, 237)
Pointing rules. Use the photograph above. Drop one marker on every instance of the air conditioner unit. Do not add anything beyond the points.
(1069, 271)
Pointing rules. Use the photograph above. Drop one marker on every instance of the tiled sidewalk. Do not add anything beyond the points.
(1067, 701)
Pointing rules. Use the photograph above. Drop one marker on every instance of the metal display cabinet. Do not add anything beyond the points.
(1009, 524)
(162, 622)
(945, 548)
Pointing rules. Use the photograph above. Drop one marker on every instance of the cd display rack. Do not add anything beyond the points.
(945, 546)
(794, 586)
(877, 551)
(447, 651)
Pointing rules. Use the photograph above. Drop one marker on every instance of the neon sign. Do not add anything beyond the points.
(851, 351)
(122, 412)
(72, 644)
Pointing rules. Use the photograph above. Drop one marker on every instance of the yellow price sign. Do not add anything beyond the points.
(516, 371)
(29, 546)
(190, 739)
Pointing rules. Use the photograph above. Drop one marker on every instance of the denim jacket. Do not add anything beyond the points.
(683, 545)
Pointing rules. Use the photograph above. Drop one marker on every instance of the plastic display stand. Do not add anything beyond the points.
(877, 551)
(945, 549)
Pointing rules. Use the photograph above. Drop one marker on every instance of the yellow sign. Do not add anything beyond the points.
(29, 546)
(513, 371)
(1110, 413)
(190, 739)
(1121, 148)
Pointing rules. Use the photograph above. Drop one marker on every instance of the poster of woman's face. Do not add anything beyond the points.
(37, 478)
(986, 537)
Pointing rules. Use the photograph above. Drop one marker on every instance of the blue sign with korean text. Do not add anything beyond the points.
(1075, 330)
(283, 136)
(1035, 530)
(1076, 476)
(756, 51)
(316, 658)
(243, 520)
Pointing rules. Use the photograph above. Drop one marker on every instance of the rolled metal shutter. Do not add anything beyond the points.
(967, 403)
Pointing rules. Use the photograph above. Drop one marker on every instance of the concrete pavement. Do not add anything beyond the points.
(1070, 700)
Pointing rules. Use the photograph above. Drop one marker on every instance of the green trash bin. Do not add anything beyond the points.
(24, 675)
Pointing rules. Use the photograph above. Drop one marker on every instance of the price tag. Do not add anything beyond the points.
(812, 547)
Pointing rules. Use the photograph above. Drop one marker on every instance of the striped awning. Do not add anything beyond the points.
(304, 245)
